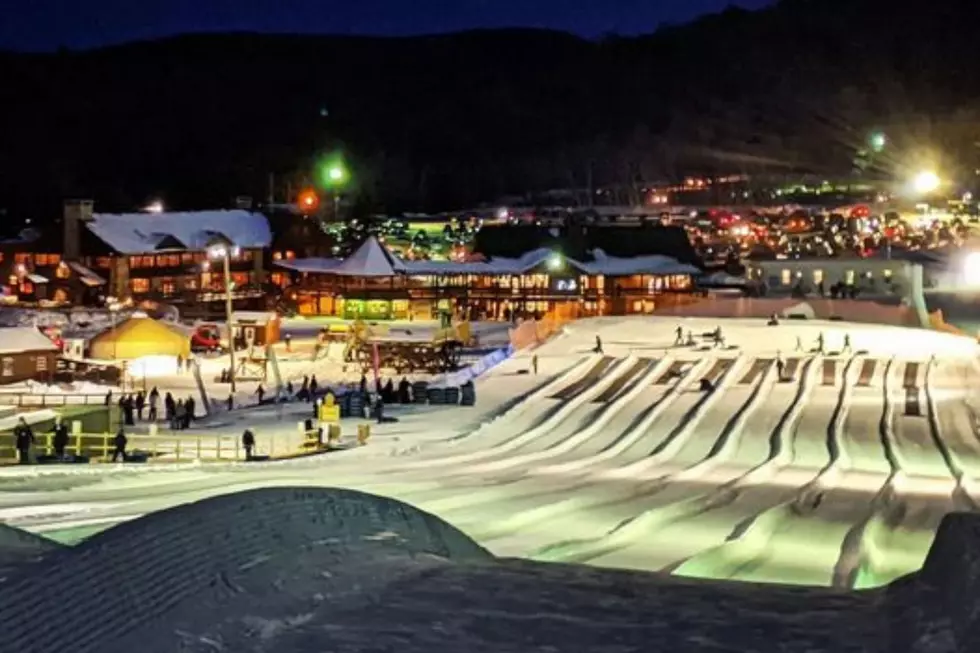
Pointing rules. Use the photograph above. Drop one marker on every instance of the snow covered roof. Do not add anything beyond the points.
(141, 233)
(372, 259)
(20, 339)
(88, 277)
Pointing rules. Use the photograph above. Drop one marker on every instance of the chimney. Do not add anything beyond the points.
(76, 213)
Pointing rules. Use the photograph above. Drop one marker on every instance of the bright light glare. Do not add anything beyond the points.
(555, 262)
(153, 366)
(971, 269)
(217, 252)
(154, 207)
(336, 173)
(925, 182)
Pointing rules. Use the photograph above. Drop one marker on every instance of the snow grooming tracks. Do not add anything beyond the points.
(646, 421)
(602, 419)
(553, 419)
(629, 531)
(858, 550)
(750, 539)
(962, 496)
(722, 374)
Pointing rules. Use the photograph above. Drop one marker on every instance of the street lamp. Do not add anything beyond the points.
(334, 175)
(878, 141)
(925, 182)
(225, 253)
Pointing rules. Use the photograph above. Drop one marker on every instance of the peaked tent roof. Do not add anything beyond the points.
(138, 337)
(370, 260)
(144, 233)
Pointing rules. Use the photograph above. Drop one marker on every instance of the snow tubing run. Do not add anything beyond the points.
(297, 570)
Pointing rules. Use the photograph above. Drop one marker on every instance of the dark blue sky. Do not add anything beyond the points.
(47, 24)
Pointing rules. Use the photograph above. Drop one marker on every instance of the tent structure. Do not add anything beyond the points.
(370, 260)
(138, 337)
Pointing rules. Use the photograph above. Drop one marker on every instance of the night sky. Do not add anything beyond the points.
(48, 24)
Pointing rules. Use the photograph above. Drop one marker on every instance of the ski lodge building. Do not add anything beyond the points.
(523, 271)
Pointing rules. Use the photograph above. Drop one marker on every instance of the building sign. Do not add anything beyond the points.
(564, 285)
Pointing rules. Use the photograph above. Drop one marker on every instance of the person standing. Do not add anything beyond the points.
(679, 336)
(60, 440)
(534, 364)
(288, 339)
(178, 422)
(24, 438)
(120, 449)
(847, 343)
(780, 367)
(248, 443)
(140, 404)
(189, 406)
(820, 343)
(314, 386)
(169, 407)
(260, 393)
(154, 400)
(598, 344)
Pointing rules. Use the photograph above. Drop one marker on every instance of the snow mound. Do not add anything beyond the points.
(19, 548)
(193, 567)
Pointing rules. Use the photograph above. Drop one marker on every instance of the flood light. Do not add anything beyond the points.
(925, 182)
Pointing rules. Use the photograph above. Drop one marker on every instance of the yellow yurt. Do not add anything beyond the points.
(139, 337)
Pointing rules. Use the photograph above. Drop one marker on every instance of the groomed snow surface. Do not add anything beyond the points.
(838, 474)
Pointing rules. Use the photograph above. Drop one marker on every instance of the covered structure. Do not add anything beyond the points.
(373, 283)
(26, 353)
(139, 337)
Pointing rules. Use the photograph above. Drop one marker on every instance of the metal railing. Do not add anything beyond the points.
(43, 400)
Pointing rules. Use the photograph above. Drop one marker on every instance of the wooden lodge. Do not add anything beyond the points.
(520, 271)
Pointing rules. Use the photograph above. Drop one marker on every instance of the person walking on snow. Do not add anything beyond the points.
(260, 393)
(120, 442)
(248, 443)
(598, 344)
(799, 343)
(780, 367)
(679, 339)
(534, 364)
(820, 342)
(847, 342)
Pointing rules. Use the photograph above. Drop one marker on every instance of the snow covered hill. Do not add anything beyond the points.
(305, 570)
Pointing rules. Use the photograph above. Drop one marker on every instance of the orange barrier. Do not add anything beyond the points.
(531, 333)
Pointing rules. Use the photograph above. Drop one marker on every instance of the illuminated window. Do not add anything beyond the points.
(818, 276)
(786, 277)
(103, 262)
(849, 278)
(888, 274)
(190, 284)
(22, 258)
(26, 288)
(8, 366)
(139, 285)
(42, 363)
(187, 258)
(62, 271)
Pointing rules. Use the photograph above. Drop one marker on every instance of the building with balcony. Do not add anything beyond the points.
(138, 256)
(374, 284)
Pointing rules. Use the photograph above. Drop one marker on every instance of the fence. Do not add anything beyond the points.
(161, 448)
(44, 400)
(531, 333)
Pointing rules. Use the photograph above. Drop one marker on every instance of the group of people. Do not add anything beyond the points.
(179, 413)
(24, 441)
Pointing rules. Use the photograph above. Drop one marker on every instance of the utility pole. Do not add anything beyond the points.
(229, 312)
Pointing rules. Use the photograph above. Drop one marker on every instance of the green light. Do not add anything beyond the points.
(333, 171)
(878, 141)
(555, 262)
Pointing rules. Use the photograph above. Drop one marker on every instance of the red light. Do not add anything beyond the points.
(308, 201)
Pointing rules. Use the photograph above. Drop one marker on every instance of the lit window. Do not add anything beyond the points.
(786, 278)
(139, 285)
(8, 366)
(888, 274)
(62, 271)
(818, 276)
(42, 363)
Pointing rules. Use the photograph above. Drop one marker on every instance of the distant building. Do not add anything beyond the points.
(525, 271)
(26, 354)
(156, 256)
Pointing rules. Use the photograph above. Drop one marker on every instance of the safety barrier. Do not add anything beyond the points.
(531, 333)
(43, 400)
(98, 447)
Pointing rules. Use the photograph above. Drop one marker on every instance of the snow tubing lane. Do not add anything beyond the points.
(578, 387)
(122, 579)
(622, 381)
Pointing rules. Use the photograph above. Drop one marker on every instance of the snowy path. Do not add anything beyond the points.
(836, 474)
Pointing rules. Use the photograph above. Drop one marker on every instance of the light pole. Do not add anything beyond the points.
(334, 175)
(225, 253)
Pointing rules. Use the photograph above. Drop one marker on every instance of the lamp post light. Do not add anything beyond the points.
(225, 253)
(334, 175)
(926, 182)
